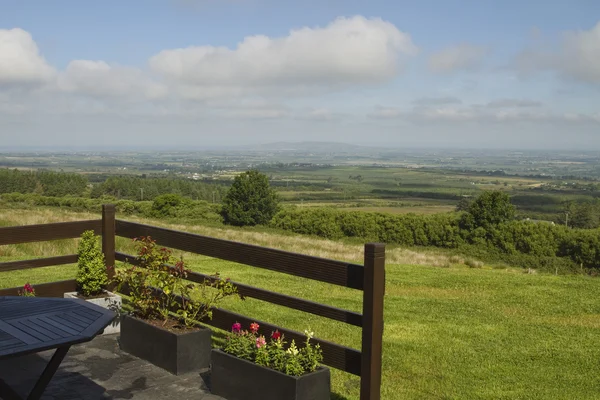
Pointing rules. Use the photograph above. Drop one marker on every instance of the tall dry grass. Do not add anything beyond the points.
(294, 243)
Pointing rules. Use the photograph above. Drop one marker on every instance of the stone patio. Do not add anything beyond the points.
(100, 370)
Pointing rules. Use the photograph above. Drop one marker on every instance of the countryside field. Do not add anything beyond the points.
(451, 332)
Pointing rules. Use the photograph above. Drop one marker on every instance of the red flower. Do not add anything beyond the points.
(236, 328)
(254, 327)
(275, 335)
(28, 288)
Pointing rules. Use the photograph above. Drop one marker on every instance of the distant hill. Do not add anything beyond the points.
(315, 147)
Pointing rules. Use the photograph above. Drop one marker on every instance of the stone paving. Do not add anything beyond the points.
(100, 370)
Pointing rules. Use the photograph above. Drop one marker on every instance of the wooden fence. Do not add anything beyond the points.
(369, 278)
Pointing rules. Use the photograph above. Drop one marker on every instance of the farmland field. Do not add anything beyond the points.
(450, 332)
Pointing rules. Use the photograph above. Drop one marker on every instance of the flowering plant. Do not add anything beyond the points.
(291, 360)
(160, 292)
(28, 291)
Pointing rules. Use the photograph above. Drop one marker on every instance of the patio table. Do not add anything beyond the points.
(33, 324)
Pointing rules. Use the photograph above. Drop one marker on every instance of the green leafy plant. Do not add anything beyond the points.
(250, 200)
(291, 360)
(158, 288)
(91, 271)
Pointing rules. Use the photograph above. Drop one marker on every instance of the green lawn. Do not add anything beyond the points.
(450, 333)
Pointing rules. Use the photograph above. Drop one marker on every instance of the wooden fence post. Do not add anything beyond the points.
(372, 331)
(108, 236)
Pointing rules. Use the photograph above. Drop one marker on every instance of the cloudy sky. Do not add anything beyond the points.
(192, 73)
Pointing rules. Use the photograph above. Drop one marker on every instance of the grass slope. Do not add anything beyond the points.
(450, 333)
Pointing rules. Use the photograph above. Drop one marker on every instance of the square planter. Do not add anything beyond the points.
(237, 379)
(177, 353)
(109, 301)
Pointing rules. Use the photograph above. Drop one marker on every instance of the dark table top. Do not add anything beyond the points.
(33, 324)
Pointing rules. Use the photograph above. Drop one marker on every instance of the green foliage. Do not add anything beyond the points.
(583, 214)
(91, 271)
(541, 245)
(157, 289)
(250, 200)
(464, 204)
(165, 205)
(139, 188)
(196, 210)
(42, 182)
(250, 345)
(489, 209)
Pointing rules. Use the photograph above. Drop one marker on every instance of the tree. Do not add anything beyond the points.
(583, 214)
(490, 208)
(250, 200)
(464, 204)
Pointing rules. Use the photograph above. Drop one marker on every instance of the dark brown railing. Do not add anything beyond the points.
(370, 278)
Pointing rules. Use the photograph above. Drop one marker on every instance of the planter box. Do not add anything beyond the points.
(237, 379)
(177, 353)
(110, 301)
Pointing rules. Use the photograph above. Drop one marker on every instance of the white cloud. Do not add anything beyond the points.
(459, 57)
(348, 51)
(430, 101)
(20, 59)
(99, 79)
(576, 57)
(580, 57)
(509, 103)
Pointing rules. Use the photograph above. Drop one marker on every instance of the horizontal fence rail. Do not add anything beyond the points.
(51, 289)
(44, 232)
(320, 269)
(335, 355)
(370, 279)
(295, 303)
(38, 262)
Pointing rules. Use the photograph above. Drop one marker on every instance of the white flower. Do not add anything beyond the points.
(293, 350)
(309, 333)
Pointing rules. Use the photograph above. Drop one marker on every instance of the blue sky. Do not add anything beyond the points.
(178, 73)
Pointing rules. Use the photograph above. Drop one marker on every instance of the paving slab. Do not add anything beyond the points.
(100, 370)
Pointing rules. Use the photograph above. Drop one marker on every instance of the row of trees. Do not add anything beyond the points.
(42, 182)
(137, 188)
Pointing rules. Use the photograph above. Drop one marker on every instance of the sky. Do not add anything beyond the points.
(194, 73)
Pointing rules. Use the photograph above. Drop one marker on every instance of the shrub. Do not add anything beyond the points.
(250, 200)
(191, 303)
(473, 263)
(91, 271)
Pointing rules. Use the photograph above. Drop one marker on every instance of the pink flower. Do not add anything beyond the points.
(254, 327)
(260, 341)
(236, 328)
(275, 335)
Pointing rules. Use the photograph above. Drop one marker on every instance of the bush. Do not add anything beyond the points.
(250, 200)
(91, 272)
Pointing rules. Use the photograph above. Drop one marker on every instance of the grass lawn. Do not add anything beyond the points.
(450, 333)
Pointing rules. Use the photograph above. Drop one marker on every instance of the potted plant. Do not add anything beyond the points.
(92, 277)
(162, 325)
(251, 368)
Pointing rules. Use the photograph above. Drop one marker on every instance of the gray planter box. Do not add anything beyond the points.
(237, 379)
(177, 353)
(110, 301)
